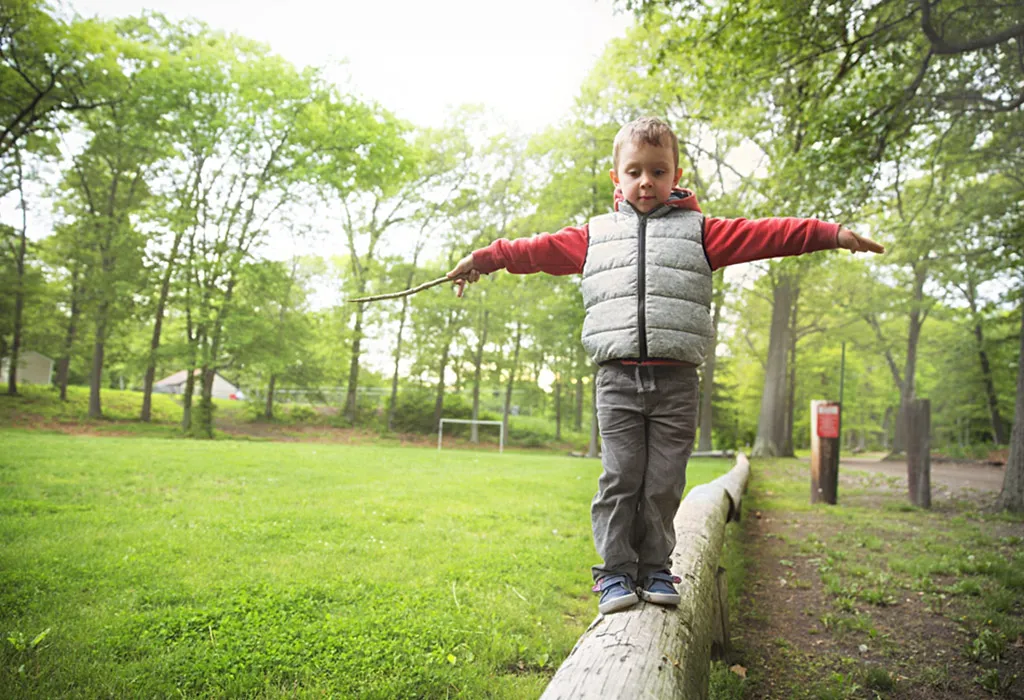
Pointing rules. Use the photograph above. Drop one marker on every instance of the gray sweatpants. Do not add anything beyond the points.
(648, 420)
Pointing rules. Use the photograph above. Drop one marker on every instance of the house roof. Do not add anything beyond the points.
(180, 377)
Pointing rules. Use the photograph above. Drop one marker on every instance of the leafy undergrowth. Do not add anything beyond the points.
(872, 598)
(136, 567)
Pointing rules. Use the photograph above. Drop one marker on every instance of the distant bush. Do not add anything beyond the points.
(414, 412)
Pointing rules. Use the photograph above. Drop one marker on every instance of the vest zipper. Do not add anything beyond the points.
(641, 279)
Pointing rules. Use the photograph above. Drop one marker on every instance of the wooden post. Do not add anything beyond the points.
(825, 419)
(652, 651)
(919, 464)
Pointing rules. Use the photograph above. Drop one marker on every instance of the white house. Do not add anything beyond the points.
(33, 368)
(175, 384)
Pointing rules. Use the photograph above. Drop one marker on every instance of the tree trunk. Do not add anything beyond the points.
(96, 375)
(771, 422)
(393, 402)
(19, 292)
(512, 378)
(186, 397)
(154, 343)
(268, 409)
(787, 442)
(439, 400)
(478, 359)
(64, 363)
(708, 388)
(998, 427)
(353, 369)
(203, 428)
(1012, 495)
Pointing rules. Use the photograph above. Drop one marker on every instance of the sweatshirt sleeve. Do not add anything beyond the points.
(734, 241)
(559, 253)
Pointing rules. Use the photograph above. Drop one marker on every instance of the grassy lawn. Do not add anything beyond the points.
(140, 567)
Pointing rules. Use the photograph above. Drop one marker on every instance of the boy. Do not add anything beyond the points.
(647, 294)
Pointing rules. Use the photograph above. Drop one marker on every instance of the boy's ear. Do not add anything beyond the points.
(615, 176)
(679, 174)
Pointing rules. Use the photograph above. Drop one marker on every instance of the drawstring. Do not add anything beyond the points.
(640, 388)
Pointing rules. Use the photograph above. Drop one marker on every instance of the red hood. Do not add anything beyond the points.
(680, 198)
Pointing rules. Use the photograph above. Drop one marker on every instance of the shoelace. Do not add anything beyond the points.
(596, 588)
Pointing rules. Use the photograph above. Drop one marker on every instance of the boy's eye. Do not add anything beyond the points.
(659, 173)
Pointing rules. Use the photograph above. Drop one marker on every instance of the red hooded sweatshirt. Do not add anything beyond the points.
(726, 242)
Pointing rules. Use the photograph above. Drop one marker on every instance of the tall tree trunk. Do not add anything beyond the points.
(998, 427)
(64, 363)
(592, 449)
(268, 409)
(771, 421)
(478, 359)
(512, 377)
(1011, 497)
(439, 400)
(353, 368)
(186, 397)
(19, 291)
(96, 375)
(708, 387)
(154, 343)
(787, 442)
(393, 401)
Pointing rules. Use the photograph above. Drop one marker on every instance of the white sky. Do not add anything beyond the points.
(524, 59)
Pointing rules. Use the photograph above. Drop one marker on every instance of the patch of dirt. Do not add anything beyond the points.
(792, 633)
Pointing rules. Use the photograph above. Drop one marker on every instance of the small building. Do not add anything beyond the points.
(175, 384)
(33, 368)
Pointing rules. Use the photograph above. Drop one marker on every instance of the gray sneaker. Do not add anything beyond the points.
(658, 588)
(617, 593)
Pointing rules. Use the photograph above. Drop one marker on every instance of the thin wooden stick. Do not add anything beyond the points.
(405, 292)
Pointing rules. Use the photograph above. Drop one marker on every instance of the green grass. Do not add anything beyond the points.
(872, 552)
(138, 567)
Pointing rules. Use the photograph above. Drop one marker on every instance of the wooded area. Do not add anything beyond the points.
(193, 178)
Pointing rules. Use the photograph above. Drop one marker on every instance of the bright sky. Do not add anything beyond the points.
(524, 59)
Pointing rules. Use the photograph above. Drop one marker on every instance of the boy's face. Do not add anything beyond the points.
(646, 175)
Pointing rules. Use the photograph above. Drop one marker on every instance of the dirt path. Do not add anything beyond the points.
(952, 475)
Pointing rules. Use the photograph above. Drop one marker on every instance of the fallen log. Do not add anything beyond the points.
(651, 651)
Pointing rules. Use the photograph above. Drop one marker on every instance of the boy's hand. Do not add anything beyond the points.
(464, 273)
(858, 244)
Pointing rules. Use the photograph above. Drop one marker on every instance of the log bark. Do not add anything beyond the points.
(651, 651)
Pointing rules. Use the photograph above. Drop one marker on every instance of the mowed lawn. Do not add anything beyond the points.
(139, 567)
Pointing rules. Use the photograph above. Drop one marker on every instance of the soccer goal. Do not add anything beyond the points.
(501, 429)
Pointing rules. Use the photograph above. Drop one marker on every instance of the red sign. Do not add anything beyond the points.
(828, 420)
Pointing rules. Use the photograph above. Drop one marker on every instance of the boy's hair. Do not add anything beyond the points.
(649, 130)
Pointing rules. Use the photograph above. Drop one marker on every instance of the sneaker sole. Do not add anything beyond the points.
(620, 603)
(660, 598)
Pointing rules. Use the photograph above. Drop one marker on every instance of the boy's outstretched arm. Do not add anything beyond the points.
(559, 253)
(734, 241)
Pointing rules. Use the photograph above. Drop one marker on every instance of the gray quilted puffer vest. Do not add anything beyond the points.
(647, 286)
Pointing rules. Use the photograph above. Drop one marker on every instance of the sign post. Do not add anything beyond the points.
(825, 423)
